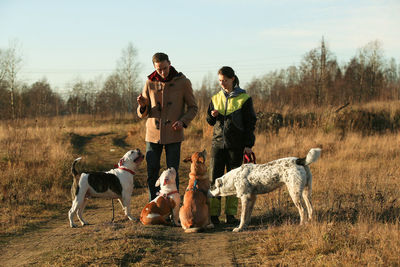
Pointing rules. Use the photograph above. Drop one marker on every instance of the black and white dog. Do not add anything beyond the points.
(249, 180)
(116, 183)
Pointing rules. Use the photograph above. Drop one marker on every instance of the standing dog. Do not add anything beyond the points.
(116, 183)
(249, 180)
(168, 201)
(195, 214)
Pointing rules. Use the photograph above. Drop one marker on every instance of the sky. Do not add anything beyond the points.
(66, 41)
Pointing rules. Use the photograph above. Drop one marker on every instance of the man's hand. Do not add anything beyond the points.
(178, 125)
(142, 101)
(214, 113)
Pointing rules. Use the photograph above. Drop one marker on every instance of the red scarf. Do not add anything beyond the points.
(157, 77)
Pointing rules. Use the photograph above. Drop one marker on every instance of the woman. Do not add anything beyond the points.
(231, 112)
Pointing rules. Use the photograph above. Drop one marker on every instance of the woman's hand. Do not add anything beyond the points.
(247, 150)
(214, 113)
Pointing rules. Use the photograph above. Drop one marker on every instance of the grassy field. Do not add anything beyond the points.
(356, 198)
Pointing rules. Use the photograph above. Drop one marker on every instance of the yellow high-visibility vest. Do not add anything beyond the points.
(234, 103)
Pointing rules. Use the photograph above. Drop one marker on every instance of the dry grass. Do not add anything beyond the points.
(356, 196)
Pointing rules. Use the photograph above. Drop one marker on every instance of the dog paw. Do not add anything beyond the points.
(132, 218)
(73, 225)
(210, 226)
(237, 229)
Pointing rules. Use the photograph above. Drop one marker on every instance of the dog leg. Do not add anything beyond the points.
(72, 212)
(252, 201)
(126, 205)
(80, 212)
(245, 201)
(176, 215)
(297, 197)
(307, 200)
(210, 225)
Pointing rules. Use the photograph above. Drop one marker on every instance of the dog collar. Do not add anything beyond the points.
(196, 188)
(167, 195)
(126, 169)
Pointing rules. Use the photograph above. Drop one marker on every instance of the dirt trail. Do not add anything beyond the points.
(208, 249)
(27, 249)
(38, 247)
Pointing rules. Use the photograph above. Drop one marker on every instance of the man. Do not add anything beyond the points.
(163, 101)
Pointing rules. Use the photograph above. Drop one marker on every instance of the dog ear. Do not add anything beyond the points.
(188, 159)
(158, 182)
(202, 159)
(204, 154)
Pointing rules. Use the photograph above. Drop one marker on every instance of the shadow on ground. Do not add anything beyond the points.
(78, 142)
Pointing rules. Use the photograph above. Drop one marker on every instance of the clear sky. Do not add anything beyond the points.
(69, 40)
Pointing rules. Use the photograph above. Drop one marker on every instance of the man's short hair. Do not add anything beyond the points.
(159, 57)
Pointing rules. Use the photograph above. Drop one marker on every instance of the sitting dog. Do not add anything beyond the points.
(116, 183)
(249, 180)
(168, 201)
(195, 214)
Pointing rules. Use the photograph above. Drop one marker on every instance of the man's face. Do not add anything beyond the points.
(162, 68)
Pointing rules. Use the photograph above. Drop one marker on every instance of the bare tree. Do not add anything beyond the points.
(209, 86)
(314, 70)
(11, 65)
(3, 68)
(128, 69)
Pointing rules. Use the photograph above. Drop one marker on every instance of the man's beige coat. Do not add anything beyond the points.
(166, 103)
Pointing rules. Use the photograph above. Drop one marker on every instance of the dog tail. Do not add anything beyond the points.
(194, 230)
(312, 156)
(73, 170)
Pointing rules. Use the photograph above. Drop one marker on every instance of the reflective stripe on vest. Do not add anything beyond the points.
(234, 103)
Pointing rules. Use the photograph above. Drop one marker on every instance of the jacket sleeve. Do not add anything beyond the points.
(210, 119)
(191, 104)
(143, 112)
(249, 122)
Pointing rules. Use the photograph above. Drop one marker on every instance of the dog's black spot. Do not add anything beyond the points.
(101, 182)
(301, 161)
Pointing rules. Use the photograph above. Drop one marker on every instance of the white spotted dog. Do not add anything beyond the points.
(116, 183)
(168, 201)
(249, 180)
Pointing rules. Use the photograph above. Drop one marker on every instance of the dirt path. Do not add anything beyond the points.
(27, 249)
(55, 241)
(208, 249)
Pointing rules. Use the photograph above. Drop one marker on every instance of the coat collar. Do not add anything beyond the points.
(154, 76)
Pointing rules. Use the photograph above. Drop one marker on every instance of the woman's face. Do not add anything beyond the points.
(226, 83)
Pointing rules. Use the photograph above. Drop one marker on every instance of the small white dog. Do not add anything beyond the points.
(116, 183)
(249, 180)
(167, 202)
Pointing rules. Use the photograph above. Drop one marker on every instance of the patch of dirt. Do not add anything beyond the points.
(210, 248)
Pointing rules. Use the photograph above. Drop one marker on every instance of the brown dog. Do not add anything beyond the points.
(165, 204)
(195, 214)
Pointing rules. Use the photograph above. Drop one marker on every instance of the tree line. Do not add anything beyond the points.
(318, 80)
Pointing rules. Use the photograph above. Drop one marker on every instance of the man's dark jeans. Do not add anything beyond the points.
(153, 156)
